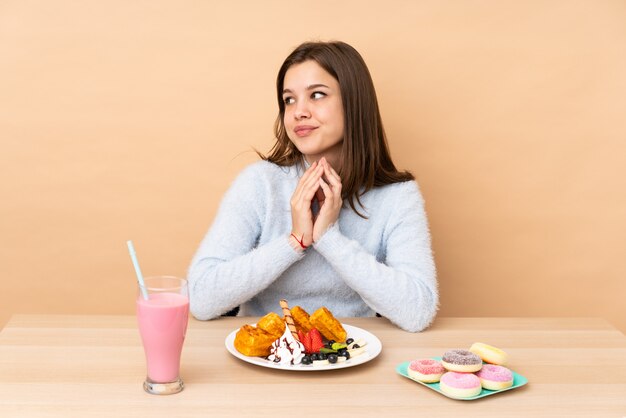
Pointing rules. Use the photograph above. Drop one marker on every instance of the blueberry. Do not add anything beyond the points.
(313, 357)
(349, 341)
(342, 352)
(331, 342)
(322, 356)
(306, 360)
(332, 358)
(356, 346)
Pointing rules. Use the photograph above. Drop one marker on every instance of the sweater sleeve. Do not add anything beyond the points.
(402, 288)
(230, 267)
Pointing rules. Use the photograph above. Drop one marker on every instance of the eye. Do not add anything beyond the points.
(318, 95)
(288, 100)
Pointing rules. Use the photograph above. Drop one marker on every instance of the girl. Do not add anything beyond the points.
(325, 219)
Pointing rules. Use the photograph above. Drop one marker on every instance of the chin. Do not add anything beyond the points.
(308, 150)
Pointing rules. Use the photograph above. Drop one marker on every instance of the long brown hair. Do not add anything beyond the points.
(365, 159)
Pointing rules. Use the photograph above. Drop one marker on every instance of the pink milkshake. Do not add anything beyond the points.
(162, 324)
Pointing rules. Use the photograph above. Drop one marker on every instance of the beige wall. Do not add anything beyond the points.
(128, 120)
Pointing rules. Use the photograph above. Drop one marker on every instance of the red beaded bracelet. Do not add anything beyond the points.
(300, 241)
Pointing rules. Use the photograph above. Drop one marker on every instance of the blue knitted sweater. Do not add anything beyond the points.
(358, 267)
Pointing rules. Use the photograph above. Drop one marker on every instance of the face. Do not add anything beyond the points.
(313, 112)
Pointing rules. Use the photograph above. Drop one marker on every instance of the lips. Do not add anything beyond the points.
(304, 130)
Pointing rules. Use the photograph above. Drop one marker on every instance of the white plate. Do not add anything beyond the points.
(373, 349)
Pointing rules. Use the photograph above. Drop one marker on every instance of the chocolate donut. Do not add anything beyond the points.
(460, 360)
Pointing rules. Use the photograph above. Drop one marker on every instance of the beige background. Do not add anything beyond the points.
(129, 119)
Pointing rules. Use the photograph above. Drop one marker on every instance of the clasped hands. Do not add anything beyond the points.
(320, 183)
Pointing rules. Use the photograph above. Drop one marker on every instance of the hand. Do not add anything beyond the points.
(301, 213)
(329, 199)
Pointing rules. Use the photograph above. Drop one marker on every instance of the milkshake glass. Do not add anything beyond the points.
(162, 320)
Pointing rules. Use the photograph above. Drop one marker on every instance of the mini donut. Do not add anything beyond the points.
(462, 361)
(460, 385)
(495, 377)
(426, 370)
(489, 354)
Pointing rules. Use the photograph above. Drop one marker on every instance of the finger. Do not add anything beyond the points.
(312, 166)
(328, 193)
(309, 186)
(335, 185)
(308, 172)
(307, 181)
(313, 174)
(332, 175)
(306, 196)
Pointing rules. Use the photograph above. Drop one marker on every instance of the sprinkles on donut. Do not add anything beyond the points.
(462, 361)
(426, 370)
(494, 377)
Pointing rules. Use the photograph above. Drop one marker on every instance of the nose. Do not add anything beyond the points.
(302, 110)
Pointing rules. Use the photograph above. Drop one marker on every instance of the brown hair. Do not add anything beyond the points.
(365, 158)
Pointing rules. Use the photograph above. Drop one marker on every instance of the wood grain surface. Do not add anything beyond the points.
(93, 366)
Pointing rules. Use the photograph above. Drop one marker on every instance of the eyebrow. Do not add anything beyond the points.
(310, 87)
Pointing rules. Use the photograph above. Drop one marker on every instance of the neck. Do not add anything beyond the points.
(333, 156)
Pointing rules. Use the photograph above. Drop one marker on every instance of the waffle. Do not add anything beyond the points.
(256, 341)
(328, 325)
(301, 319)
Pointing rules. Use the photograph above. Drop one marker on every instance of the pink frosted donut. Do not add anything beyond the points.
(494, 377)
(460, 385)
(426, 370)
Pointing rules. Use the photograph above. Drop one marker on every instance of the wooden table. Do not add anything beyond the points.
(93, 366)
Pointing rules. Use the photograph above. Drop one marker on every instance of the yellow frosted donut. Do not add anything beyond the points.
(489, 354)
